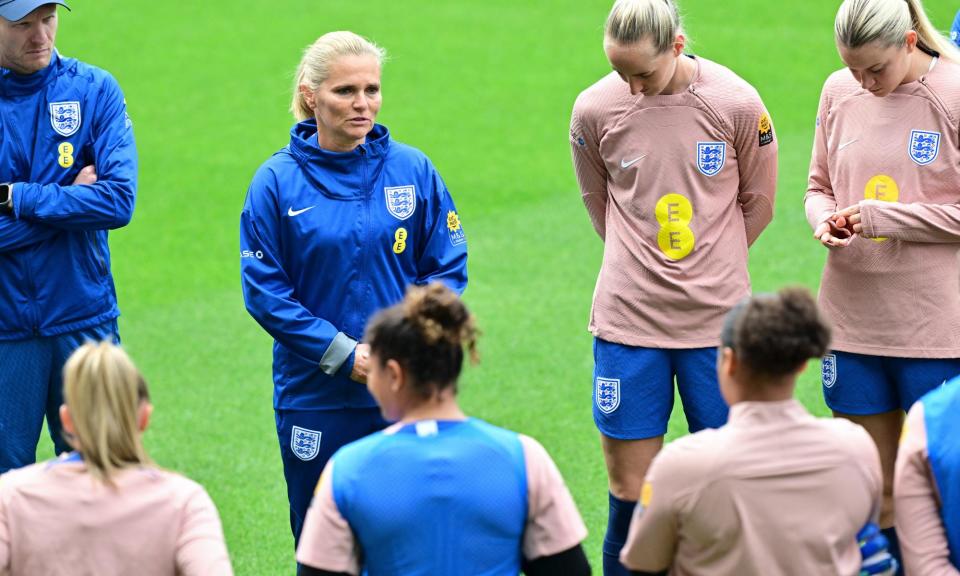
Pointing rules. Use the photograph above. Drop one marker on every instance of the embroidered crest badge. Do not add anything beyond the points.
(401, 201)
(304, 443)
(65, 117)
(924, 146)
(608, 394)
(828, 370)
(455, 229)
(710, 157)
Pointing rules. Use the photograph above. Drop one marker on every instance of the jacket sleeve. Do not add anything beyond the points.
(16, 234)
(106, 204)
(757, 161)
(914, 222)
(443, 256)
(588, 166)
(268, 291)
(819, 202)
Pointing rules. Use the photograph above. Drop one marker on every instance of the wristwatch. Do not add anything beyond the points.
(6, 198)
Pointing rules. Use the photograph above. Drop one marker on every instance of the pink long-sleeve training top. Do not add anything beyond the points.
(677, 186)
(894, 291)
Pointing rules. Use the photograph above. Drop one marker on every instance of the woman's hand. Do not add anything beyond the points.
(361, 359)
(838, 230)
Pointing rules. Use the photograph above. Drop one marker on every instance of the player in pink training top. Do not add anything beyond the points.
(883, 196)
(677, 164)
(106, 509)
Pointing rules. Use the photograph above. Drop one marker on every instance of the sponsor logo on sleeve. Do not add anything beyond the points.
(924, 146)
(828, 370)
(765, 129)
(305, 443)
(401, 201)
(65, 117)
(710, 157)
(455, 229)
(608, 394)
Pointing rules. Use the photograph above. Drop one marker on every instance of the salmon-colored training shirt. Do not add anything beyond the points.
(774, 491)
(55, 518)
(894, 291)
(678, 186)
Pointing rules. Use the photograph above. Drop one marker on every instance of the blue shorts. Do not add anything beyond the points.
(633, 389)
(860, 384)
(308, 438)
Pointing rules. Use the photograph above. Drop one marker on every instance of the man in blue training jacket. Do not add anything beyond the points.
(68, 174)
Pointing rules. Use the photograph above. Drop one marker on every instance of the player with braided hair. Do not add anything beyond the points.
(438, 492)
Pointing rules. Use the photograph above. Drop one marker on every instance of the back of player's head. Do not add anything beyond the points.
(104, 391)
(861, 22)
(317, 58)
(426, 334)
(774, 334)
(630, 21)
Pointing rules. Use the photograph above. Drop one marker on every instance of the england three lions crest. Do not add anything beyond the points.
(401, 201)
(304, 443)
(710, 157)
(924, 146)
(608, 394)
(65, 117)
(828, 370)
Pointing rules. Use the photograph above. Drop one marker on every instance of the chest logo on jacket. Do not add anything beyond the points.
(924, 146)
(710, 157)
(401, 201)
(65, 117)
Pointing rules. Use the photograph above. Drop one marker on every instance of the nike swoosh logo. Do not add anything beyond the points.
(291, 212)
(628, 163)
(845, 144)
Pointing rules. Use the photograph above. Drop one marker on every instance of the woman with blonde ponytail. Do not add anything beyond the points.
(105, 509)
(438, 492)
(676, 158)
(883, 197)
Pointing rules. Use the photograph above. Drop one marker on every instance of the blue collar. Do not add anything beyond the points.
(13, 84)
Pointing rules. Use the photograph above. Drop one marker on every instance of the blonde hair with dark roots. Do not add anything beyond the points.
(630, 21)
(427, 334)
(104, 391)
(861, 22)
(317, 58)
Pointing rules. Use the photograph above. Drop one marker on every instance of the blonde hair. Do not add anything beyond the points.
(633, 20)
(861, 22)
(314, 67)
(104, 391)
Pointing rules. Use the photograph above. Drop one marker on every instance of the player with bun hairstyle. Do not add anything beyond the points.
(106, 509)
(883, 197)
(335, 226)
(775, 490)
(677, 165)
(438, 492)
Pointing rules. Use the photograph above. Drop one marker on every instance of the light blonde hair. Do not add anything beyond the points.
(314, 67)
(861, 22)
(104, 391)
(630, 21)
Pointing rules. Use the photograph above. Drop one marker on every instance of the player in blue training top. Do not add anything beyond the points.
(335, 226)
(438, 492)
(955, 30)
(68, 174)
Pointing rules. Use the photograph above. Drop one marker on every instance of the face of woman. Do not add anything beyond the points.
(880, 69)
(347, 102)
(646, 71)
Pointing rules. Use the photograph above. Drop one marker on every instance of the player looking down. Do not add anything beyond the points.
(438, 492)
(677, 164)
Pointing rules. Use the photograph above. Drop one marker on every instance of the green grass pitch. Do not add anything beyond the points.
(485, 89)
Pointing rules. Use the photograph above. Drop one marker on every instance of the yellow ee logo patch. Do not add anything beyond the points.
(400, 240)
(65, 155)
(883, 188)
(675, 238)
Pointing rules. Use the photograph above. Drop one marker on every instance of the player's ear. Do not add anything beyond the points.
(308, 96)
(728, 362)
(66, 420)
(396, 375)
(678, 44)
(911, 40)
(143, 415)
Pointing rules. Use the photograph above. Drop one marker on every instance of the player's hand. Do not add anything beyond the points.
(873, 550)
(831, 235)
(361, 363)
(88, 175)
(849, 218)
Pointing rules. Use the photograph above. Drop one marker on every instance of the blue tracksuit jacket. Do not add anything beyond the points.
(54, 260)
(327, 239)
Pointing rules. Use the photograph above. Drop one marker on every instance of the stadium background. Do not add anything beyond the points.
(485, 89)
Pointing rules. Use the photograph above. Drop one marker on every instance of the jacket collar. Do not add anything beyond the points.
(13, 84)
(339, 174)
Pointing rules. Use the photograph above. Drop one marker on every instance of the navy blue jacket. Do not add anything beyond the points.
(54, 260)
(329, 238)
